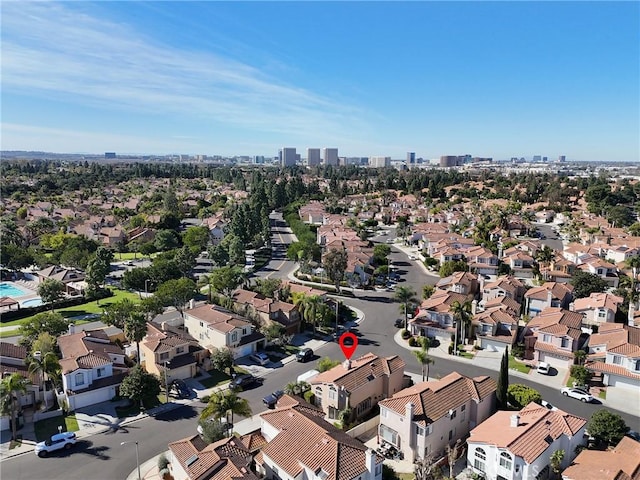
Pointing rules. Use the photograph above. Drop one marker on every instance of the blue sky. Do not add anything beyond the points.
(496, 79)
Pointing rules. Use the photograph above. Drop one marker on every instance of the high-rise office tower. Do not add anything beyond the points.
(379, 162)
(313, 156)
(411, 158)
(330, 156)
(288, 156)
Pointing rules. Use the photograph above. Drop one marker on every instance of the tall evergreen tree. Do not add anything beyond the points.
(503, 381)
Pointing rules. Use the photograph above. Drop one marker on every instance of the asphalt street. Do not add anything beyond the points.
(102, 457)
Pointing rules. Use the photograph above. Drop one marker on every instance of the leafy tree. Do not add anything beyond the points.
(137, 279)
(556, 462)
(166, 240)
(117, 313)
(43, 365)
(607, 427)
(44, 343)
(520, 396)
(335, 264)
(225, 280)
(579, 357)
(212, 431)
(449, 268)
(427, 291)
(184, 260)
(219, 255)
(196, 238)
(380, 253)
(405, 295)
(620, 216)
(177, 293)
(267, 287)
(98, 268)
(140, 387)
(453, 454)
(236, 250)
(326, 363)
(15, 257)
(10, 387)
(50, 322)
(51, 291)
(273, 331)
(503, 381)
(151, 307)
(581, 375)
(423, 469)
(586, 283)
(222, 359)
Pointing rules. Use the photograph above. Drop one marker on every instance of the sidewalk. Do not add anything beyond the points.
(489, 360)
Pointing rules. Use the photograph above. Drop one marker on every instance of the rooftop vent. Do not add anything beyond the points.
(191, 460)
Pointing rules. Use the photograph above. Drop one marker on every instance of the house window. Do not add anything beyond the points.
(617, 360)
(463, 413)
(164, 356)
(100, 372)
(453, 414)
(202, 324)
(79, 378)
(479, 459)
(378, 469)
(234, 337)
(636, 365)
(419, 431)
(179, 350)
(546, 338)
(506, 460)
(332, 393)
(565, 342)
(384, 413)
(602, 314)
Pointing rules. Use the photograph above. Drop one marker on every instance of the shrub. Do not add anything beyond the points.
(520, 395)
(163, 461)
(412, 341)
(477, 347)
(205, 399)
(581, 375)
(518, 350)
(405, 334)
(450, 349)
(309, 397)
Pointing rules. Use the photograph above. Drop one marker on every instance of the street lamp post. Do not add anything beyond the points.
(137, 456)
(166, 382)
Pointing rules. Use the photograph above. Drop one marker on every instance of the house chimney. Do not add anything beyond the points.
(192, 303)
(370, 462)
(408, 411)
(549, 298)
(515, 420)
(632, 313)
(163, 325)
(474, 307)
(347, 364)
(72, 328)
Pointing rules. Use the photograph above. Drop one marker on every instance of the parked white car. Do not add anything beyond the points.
(577, 393)
(57, 442)
(543, 367)
(260, 358)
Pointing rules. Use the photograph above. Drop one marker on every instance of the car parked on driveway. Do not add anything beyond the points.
(543, 367)
(59, 441)
(577, 393)
(242, 381)
(271, 399)
(304, 355)
(260, 358)
(180, 388)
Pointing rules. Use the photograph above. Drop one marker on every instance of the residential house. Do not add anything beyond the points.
(140, 235)
(325, 453)
(357, 384)
(553, 336)
(620, 463)
(420, 421)
(597, 308)
(170, 354)
(520, 263)
(518, 445)
(496, 328)
(214, 327)
(614, 352)
(92, 367)
(621, 253)
(605, 270)
(560, 270)
(434, 317)
(506, 286)
(464, 283)
(73, 280)
(550, 294)
(216, 229)
(268, 309)
(194, 459)
(481, 260)
(13, 359)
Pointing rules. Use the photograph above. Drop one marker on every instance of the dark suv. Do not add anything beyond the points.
(304, 355)
(242, 381)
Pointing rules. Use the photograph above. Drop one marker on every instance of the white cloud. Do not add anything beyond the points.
(50, 49)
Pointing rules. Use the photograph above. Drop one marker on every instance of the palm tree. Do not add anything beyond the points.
(135, 329)
(634, 264)
(310, 310)
(424, 359)
(579, 356)
(462, 313)
(296, 388)
(556, 461)
(222, 402)
(44, 365)
(405, 295)
(545, 255)
(10, 387)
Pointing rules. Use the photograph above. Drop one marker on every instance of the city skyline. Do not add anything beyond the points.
(370, 78)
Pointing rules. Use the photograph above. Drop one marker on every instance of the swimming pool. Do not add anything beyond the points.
(32, 302)
(10, 290)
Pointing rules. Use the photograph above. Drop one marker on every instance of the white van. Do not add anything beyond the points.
(306, 376)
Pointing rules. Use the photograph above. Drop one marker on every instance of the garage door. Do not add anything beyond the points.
(244, 350)
(553, 361)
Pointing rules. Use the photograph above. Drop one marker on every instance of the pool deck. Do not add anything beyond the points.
(28, 286)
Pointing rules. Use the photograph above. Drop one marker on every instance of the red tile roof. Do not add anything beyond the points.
(623, 462)
(359, 371)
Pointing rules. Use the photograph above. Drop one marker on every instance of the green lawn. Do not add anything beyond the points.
(602, 394)
(466, 354)
(570, 382)
(49, 426)
(217, 377)
(519, 366)
(91, 307)
(129, 256)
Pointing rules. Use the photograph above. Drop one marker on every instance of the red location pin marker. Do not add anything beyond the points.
(350, 347)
